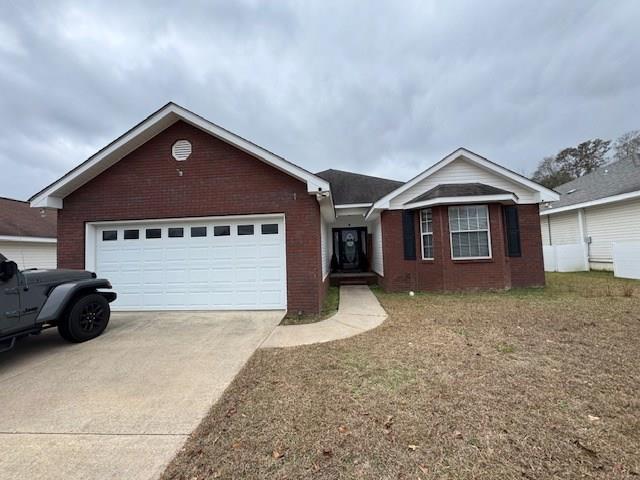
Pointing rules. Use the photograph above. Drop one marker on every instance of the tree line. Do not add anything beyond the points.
(573, 162)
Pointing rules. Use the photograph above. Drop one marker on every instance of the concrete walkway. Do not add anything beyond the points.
(358, 312)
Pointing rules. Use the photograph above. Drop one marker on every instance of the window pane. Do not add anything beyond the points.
(198, 232)
(109, 235)
(427, 243)
(153, 233)
(176, 232)
(222, 231)
(245, 229)
(269, 228)
(131, 234)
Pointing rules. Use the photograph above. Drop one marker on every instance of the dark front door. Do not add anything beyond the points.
(349, 247)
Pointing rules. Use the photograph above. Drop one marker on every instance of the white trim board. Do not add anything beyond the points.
(504, 197)
(592, 203)
(53, 195)
(13, 238)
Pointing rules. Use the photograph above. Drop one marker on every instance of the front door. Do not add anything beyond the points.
(349, 248)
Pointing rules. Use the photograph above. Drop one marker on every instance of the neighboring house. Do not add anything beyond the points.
(181, 214)
(595, 212)
(27, 236)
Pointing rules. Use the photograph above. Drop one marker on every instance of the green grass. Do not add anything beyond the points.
(329, 307)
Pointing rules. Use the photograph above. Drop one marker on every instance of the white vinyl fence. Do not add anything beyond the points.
(626, 259)
(566, 258)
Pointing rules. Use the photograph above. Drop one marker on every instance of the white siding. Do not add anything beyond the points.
(30, 255)
(564, 228)
(325, 247)
(544, 227)
(617, 222)
(461, 171)
(377, 262)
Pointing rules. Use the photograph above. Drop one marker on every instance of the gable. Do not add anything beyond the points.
(462, 171)
(53, 195)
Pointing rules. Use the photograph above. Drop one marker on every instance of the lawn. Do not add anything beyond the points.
(533, 384)
(329, 308)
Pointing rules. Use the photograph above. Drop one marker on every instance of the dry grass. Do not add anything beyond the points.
(526, 384)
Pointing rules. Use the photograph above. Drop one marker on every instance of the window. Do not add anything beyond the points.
(153, 233)
(469, 230)
(222, 231)
(109, 235)
(132, 234)
(176, 232)
(269, 228)
(426, 230)
(198, 231)
(245, 229)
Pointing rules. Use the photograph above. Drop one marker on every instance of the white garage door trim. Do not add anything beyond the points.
(92, 235)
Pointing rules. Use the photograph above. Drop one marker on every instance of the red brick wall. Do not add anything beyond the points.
(528, 270)
(443, 273)
(217, 179)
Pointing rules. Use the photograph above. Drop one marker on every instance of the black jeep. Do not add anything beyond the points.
(32, 300)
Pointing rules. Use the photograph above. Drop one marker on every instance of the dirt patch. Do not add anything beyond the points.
(539, 383)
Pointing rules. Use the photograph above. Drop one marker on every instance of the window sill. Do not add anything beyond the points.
(472, 260)
(428, 260)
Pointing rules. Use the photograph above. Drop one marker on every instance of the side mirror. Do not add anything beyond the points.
(7, 270)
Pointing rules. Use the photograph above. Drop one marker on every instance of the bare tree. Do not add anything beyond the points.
(627, 147)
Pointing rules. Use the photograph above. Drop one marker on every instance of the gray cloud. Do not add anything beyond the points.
(384, 88)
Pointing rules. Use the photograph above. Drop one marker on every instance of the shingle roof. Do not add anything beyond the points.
(458, 190)
(18, 219)
(348, 187)
(615, 178)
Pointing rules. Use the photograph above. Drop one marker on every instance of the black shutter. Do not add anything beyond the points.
(409, 235)
(512, 229)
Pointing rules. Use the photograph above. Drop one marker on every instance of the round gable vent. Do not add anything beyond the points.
(181, 150)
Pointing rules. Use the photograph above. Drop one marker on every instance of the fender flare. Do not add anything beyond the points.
(60, 296)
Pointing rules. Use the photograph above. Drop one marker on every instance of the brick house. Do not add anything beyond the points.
(181, 214)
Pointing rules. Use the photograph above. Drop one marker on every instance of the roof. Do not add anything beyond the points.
(18, 219)
(616, 178)
(352, 188)
(52, 196)
(459, 190)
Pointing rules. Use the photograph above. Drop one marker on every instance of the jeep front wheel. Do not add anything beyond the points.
(86, 319)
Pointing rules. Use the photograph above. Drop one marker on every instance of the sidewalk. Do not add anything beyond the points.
(359, 311)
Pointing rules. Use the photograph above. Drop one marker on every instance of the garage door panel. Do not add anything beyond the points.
(207, 272)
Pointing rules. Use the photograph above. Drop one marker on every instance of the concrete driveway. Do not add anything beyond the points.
(119, 406)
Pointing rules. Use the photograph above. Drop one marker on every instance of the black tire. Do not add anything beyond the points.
(86, 319)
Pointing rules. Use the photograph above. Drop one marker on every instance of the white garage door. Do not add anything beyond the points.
(234, 264)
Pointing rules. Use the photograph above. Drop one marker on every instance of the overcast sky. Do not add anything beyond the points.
(382, 88)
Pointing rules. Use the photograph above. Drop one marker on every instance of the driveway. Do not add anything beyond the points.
(119, 406)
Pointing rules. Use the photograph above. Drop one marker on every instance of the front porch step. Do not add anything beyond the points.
(353, 278)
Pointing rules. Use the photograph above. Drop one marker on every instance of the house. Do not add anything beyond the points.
(27, 236)
(594, 213)
(180, 213)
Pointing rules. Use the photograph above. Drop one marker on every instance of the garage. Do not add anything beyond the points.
(214, 263)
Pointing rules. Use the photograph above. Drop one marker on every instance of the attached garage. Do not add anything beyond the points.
(228, 263)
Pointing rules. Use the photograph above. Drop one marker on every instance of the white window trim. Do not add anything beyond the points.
(488, 230)
(423, 233)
